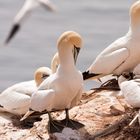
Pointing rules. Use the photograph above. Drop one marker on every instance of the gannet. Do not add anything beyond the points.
(28, 6)
(63, 89)
(123, 54)
(130, 87)
(16, 99)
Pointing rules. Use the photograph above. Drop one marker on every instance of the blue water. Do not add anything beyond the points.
(99, 22)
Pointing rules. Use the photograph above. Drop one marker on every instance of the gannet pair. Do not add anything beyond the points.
(123, 54)
(130, 87)
(16, 99)
(63, 89)
(28, 6)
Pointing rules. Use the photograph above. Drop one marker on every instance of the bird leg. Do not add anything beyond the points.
(71, 123)
(53, 125)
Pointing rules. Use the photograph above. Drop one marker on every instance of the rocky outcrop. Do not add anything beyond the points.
(103, 115)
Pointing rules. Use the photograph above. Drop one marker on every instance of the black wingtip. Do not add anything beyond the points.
(87, 75)
(1, 106)
(12, 33)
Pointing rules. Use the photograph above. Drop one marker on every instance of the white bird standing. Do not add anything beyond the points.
(63, 89)
(28, 6)
(16, 99)
(123, 54)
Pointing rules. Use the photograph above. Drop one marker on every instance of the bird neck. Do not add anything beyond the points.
(66, 57)
(55, 63)
(54, 66)
(135, 34)
(135, 25)
(38, 79)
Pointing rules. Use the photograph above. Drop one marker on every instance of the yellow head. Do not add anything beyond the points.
(55, 62)
(41, 74)
(135, 14)
(70, 39)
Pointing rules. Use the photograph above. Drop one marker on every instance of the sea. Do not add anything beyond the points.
(99, 22)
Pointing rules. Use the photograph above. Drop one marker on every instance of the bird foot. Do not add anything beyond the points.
(55, 126)
(72, 124)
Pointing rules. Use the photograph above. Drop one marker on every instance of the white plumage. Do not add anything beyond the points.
(55, 63)
(27, 8)
(63, 89)
(130, 89)
(131, 92)
(16, 99)
(123, 54)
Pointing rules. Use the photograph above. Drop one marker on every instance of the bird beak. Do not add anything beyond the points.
(44, 76)
(47, 4)
(15, 28)
(75, 54)
(27, 114)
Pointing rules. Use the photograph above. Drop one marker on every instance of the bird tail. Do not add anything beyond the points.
(87, 75)
(28, 113)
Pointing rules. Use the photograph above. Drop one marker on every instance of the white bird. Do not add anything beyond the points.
(130, 89)
(16, 99)
(28, 6)
(130, 86)
(131, 92)
(63, 89)
(123, 54)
